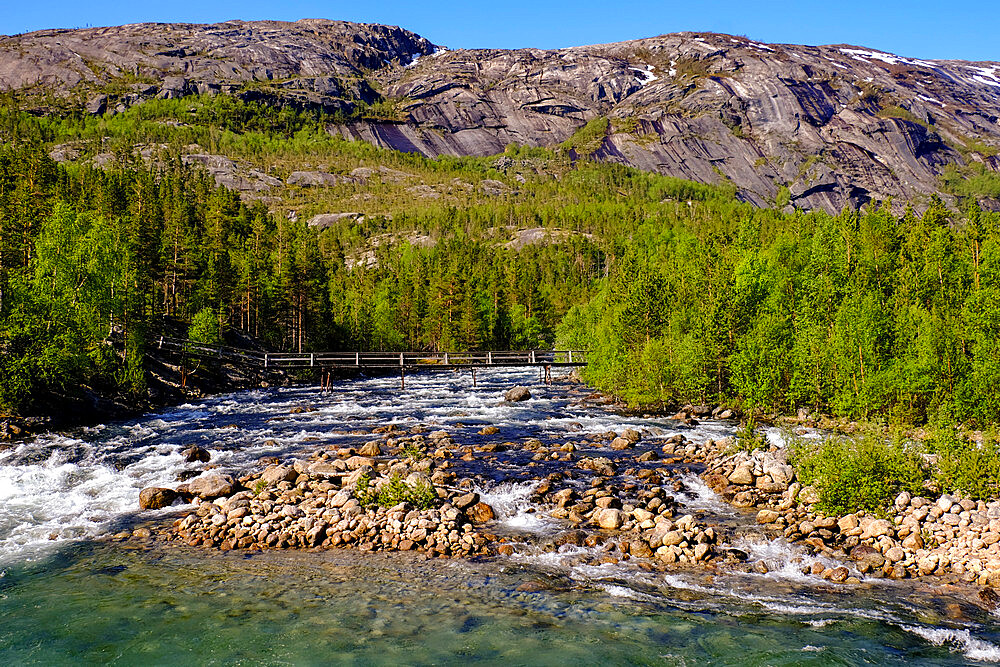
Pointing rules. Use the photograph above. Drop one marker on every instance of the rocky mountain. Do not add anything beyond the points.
(814, 127)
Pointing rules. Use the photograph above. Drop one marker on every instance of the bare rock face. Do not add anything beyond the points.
(801, 126)
(834, 125)
(316, 62)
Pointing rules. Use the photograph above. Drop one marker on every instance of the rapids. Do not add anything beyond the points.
(68, 596)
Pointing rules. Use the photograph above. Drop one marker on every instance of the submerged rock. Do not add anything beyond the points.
(195, 454)
(517, 394)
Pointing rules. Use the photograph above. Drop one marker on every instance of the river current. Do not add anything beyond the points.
(69, 596)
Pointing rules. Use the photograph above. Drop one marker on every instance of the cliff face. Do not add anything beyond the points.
(309, 62)
(835, 125)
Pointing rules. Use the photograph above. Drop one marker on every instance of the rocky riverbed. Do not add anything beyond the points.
(620, 505)
(605, 540)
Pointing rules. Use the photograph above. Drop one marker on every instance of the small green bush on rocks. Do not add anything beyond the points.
(966, 466)
(863, 474)
(394, 491)
(748, 438)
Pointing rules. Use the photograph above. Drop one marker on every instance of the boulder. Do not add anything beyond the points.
(370, 449)
(847, 522)
(672, 538)
(767, 516)
(743, 476)
(154, 498)
(610, 519)
(839, 574)
(480, 513)
(211, 486)
(913, 542)
(324, 469)
(600, 464)
(875, 529)
(278, 473)
(780, 473)
(621, 443)
(466, 501)
(517, 394)
(195, 454)
(927, 565)
(866, 554)
(357, 462)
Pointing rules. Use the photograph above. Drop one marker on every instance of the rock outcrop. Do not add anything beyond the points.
(811, 127)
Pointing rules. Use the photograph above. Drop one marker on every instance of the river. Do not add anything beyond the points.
(69, 596)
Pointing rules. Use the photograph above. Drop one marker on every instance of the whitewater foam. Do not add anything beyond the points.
(960, 641)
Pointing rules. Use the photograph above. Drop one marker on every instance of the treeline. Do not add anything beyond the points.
(94, 262)
(680, 291)
(860, 315)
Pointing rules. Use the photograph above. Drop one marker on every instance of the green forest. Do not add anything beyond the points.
(679, 291)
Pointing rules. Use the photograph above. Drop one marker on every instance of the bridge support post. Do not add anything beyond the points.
(548, 374)
(473, 377)
(402, 378)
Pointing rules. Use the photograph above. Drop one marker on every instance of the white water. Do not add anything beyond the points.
(58, 487)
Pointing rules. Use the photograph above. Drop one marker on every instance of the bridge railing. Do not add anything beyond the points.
(409, 360)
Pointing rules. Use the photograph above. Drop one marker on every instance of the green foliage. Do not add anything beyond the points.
(783, 197)
(974, 181)
(395, 491)
(965, 466)
(896, 111)
(679, 291)
(412, 450)
(748, 438)
(204, 327)
(588, 139)
(858, 474)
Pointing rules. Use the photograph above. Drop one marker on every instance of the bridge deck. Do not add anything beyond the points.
(379, 360)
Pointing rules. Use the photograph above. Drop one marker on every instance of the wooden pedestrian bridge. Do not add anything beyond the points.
(324, 362)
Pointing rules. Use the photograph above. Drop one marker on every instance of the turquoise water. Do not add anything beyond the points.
(112, 603)
(70, 596)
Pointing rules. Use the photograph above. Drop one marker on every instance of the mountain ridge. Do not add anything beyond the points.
(812, 127)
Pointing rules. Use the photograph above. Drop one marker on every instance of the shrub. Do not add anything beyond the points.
(862, 474)
(394, 491)
(748, 438)
(966, 466)
(412, 450)
(204, 327)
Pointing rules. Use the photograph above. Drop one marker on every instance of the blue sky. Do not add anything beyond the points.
(965, 29)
